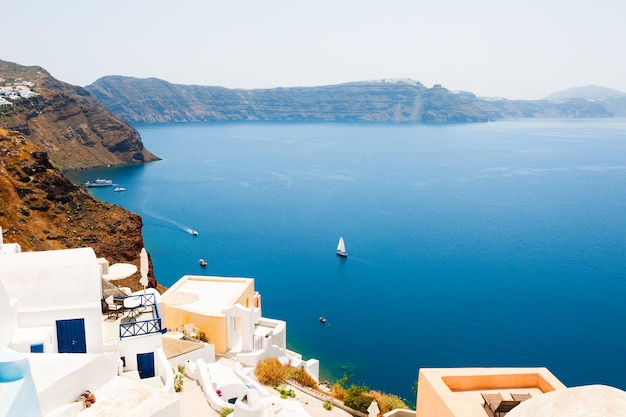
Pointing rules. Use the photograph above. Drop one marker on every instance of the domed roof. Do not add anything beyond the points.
(584, 401)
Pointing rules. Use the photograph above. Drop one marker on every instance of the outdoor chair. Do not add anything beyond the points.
(520, 397)
(114, 309)
(496, 406)
(504, 407)
(190, 331)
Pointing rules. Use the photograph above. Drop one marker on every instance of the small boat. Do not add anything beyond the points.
(118, 189)
(99, 183)
(322, 319)
(194, 232)
(341, 248)
(202, 262)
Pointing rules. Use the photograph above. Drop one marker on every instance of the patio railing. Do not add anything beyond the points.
(139, 328)
(143, 327)
(146, 299)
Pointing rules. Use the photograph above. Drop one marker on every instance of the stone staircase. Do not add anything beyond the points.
(193, 402)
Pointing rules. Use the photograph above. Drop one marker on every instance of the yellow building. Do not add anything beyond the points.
(225, 312)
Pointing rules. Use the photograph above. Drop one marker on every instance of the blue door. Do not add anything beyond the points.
(145, 365)
(36, 348)
(71, 336)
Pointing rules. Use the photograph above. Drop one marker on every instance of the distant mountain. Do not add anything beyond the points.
(153, 100)
(589, 92)
(575, 108)
(65, 121)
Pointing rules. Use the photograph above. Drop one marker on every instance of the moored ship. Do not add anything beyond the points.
(99, 183)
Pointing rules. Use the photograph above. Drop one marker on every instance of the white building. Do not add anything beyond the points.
(64, 329)
(17, 92)
(52, 314)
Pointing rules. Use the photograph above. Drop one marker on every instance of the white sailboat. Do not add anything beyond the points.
(341, 248)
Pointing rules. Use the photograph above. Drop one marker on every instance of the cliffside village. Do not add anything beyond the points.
(72, 343)
(17, 90)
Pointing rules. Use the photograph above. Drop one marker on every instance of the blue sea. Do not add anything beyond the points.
(496, 244)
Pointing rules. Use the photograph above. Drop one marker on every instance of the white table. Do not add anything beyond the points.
(131, 303)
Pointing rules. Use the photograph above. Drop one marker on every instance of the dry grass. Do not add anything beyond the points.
(302, 377)
(339, 392)
(387, 402)
(271, 372)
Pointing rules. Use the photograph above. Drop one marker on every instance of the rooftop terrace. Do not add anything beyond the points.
(456, 392)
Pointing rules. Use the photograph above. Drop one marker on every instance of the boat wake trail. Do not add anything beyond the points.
(172, 222)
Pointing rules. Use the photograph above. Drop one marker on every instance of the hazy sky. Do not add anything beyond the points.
(523, 49)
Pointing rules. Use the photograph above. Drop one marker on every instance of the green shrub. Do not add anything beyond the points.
(393, 402)
(226, 411)
(328, 405)
(357, 398)
(338, 388)
(178, 382)
(387, 402)
(285, 392)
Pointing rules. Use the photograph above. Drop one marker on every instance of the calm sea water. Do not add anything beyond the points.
(499, 244)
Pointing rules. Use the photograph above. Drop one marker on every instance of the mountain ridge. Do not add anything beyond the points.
(587, 92)
(153, 100)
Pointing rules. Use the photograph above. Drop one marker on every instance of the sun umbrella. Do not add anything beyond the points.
(373, 409)
(119, 271)
(143, 268)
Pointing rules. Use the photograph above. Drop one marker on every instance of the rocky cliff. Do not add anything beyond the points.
(41, 210)
(65, 121)
(58, 126)
(154, 100)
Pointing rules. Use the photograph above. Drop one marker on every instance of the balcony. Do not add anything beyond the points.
(138, 315)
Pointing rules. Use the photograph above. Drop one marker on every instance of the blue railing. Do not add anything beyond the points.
(138, 328)
(143, 327)
(146, 299)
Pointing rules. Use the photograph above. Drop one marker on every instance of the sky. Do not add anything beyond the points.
(517, 49)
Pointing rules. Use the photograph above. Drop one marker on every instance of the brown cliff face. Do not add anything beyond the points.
(68, 123)
(41, 210)
(63, 128)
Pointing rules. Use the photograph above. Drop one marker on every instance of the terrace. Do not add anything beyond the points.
(137, 314)
(456, 392)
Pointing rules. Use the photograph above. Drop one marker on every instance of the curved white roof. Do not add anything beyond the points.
(584, 401)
